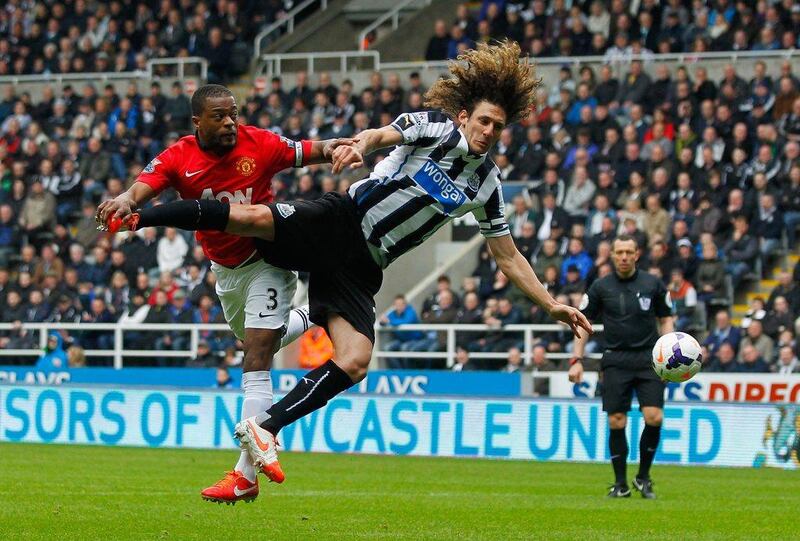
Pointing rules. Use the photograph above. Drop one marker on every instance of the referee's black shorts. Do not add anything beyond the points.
(323, 237)
(621, 378)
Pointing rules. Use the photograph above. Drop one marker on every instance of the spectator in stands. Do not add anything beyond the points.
(741, 250)
(723, 332)
(38, 214)
(439, 43)
(401, 313)
(779, 318)
(315, 348)
(577, 256)
(463, 363)
(751, 360)
(204, 358)
(788, 289)
(223, 378)
(787, 361)
(684, 299)
(513, 361)
(723, 360)
(54, 357)
(755, 337)
(172, 250)
(520, 215)
(710, 277)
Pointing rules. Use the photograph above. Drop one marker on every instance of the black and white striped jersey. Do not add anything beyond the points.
(430, 178)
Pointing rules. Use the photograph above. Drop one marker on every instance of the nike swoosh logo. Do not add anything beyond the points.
(261, 445)
(238, 492)
(188, 174)
(262, 314)
(308, 380)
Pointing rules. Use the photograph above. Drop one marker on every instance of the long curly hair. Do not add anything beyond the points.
(492, 73)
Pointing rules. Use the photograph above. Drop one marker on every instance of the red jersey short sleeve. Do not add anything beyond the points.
(159, 173)
(285, 152)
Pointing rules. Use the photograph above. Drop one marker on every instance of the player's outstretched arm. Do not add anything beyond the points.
(322, 151)
(367, 141)
(516, 267)
(122, 206)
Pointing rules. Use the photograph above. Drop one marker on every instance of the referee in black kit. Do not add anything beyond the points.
(635, 309)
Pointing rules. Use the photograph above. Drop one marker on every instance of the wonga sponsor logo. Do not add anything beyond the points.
(439, 186)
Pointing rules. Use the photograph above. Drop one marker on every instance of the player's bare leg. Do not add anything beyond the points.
(353, 352)
(618, 445)
(648, 445)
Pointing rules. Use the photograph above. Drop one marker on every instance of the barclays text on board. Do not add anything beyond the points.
(708, 434)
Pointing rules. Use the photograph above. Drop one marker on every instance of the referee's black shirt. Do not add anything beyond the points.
(628, 308)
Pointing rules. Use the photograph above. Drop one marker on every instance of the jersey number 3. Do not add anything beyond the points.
(272, 299)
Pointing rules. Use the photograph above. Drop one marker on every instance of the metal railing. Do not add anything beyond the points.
(450, 350)
(287, 21)
(393, 15)
(119, 352)
(546, 63)
(149, 73)
(272, 64)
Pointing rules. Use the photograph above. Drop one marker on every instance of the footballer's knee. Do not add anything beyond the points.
(653, 416)
(617, 420)
(251, 221)
(355, 363)
(259, 348)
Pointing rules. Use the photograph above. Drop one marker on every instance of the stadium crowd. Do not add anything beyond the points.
(85, 36)
(618, 29)
(705, 173)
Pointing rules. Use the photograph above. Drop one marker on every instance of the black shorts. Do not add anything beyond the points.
(619, 384)
(323, 237)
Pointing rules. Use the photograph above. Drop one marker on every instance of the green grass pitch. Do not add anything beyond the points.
(82, 492)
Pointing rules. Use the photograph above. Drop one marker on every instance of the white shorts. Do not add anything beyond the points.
(257, 296)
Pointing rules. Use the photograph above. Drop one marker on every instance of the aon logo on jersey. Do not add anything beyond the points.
(243, 198)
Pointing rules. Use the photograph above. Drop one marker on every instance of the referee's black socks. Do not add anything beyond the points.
(311, 393)
(189, 214)
(618, 445)
(648, 445)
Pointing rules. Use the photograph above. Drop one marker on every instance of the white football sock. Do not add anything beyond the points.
(257, 387)
(299, 322)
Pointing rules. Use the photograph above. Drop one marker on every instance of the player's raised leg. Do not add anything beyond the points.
(353, 352)
(202, 215)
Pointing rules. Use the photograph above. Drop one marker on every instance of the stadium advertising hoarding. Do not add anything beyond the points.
(543, 429)
(401, 382)
(705, 387)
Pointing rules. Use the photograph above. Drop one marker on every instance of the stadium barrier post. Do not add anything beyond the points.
(528, 337)
(451, 346)
(118, 348)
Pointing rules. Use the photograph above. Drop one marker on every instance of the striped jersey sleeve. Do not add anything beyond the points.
(491, 216)
(422, 129)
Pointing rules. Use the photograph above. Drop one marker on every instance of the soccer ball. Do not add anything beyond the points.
(677, 357)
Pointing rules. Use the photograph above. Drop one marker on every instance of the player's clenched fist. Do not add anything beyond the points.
(575, 373)
(347, 155)
(120, 207)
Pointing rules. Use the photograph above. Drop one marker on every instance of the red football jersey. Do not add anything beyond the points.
(243, 175)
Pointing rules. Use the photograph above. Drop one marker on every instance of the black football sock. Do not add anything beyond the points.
(189, 214)
(311, 393)
(618, 445)
(648, 445)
